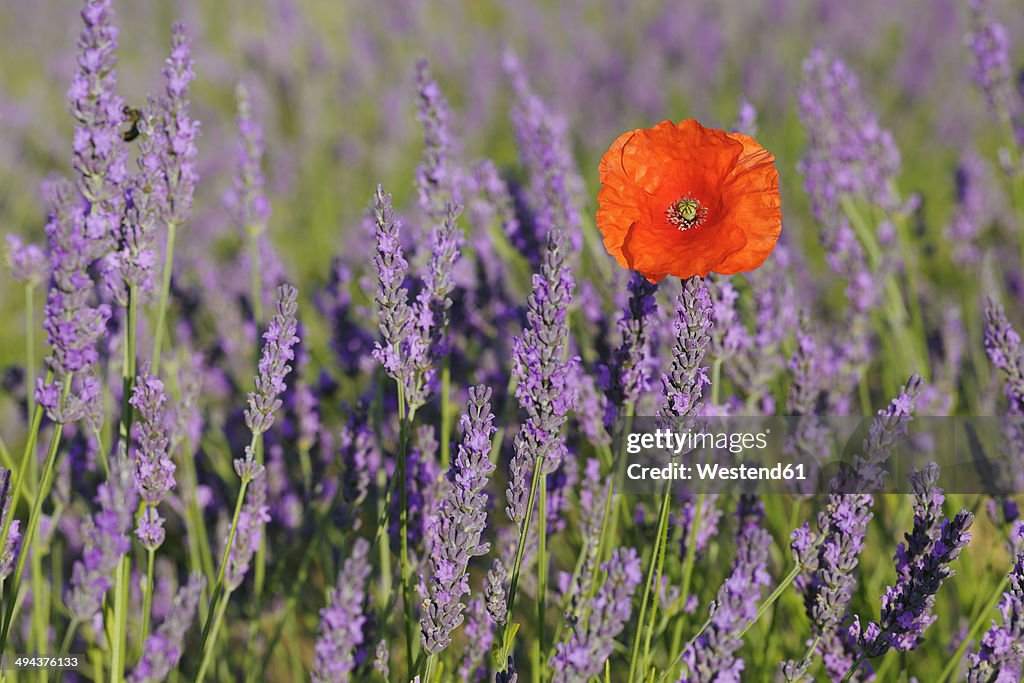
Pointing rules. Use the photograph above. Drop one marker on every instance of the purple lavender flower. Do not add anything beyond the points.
(278, 349)
(627, 374)
(351, 343)
(906, 607)
(72, 326)
(711, 657)
(459, 525)
(976, 206)
(495, 592)
(849, 152)
(479, 637)
(392, 298)
(710, 516)
(829, 557)
(163, 649)
(409, 330)
(1002, 343)
(686, 378)
(132, 262)
(592, 499)
(989, 42)
(359, 460)
(342, 621)
(508, 675)
(437, 178)
(106, 540)
(746, 119)
(586, 650)
(248, 199)
(541, 137)
(27, 262)
(179, 129)
(380, 659)
(543, 373)
(1000, 657)
(9, 553)
(154, 470)
(249, 533)
(430, 341)
(100, 155)
(729, 336)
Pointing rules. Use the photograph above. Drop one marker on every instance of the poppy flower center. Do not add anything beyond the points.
(686, 212)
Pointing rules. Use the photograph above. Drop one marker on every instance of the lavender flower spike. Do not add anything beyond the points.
(106, 540)
(711, 657)
(459, 525)
(830, 556)
(180, 130)
(1003, 345)
(989, 42)
(1000, 659)
(26, 262)
(685, 381)
(249, 199)
(545, 390)
(584, 654)
(437, 180)
(392, 299)
(153, 469)
(100, 155)
(163, 649)
(342, 621)
(278, 349)
(906, 607)
(627, 375)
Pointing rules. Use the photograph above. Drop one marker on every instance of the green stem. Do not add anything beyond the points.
(619, 478)
(118, 630)
(513, 587)
(405, 423)
(853, 669)
(24, 466)
(255, 280)
(446, 412)
(33, 519)
(775, 595)
(147, 596)
(688, 562)
(663, 534)
(212, 618)
(972, 632)
(30, 349)
(165, 291)
(542, 571)
(64, 646)
(656, 552)
(216, 617)
(260, 562)
(128, 366)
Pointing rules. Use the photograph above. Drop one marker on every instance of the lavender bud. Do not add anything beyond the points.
(278, 349)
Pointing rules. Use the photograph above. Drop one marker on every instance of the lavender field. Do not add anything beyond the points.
(326, 324)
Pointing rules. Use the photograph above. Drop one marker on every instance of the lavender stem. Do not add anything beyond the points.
(165, 291)
(49, 465)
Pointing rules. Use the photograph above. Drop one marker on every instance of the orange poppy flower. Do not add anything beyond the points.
(687, 200)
